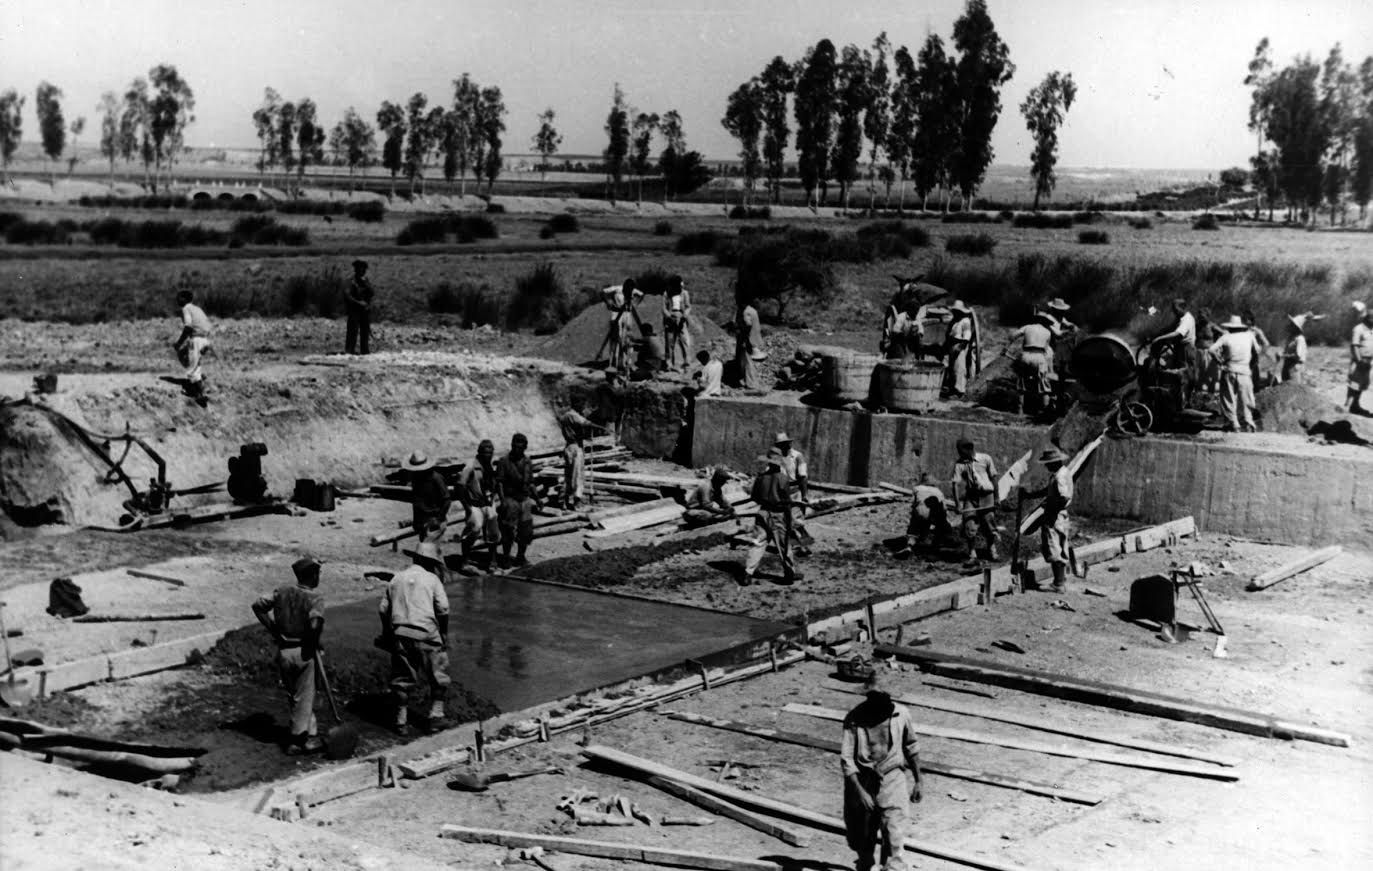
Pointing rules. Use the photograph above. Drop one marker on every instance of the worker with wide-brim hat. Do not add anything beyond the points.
(429, 497)
(1294, 349)
(880, 759)
(798, 474)
(959, 342)
(1236, 355)
(772, 523)
(1055, 527)
(414, 628)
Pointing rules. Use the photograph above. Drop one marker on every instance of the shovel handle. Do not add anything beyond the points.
(516, 775)
(324, 679)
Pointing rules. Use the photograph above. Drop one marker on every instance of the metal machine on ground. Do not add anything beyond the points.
(1143, 392)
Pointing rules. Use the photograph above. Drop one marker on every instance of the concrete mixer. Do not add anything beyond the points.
(1144, 392)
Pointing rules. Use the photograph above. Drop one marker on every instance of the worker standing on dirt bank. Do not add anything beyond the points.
(676, 323)
(798, 475)
(515, 490)
(880, 759)
(1360, 363)
(358, 302)
(477, 491)
(929, 517)
(429, 499)
(958, 344)
(294, 615)
(748, 343)
(706, 503)
(772, 523)
(193, 343)
(621, 302)
(1294, 350)
(974, 486)
(1054, 526)
(1235, 354)
(414, 628)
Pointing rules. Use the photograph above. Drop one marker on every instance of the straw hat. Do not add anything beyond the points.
(960, 306)
(1057, 304)
(781, 438)
(1052, 455)
(1298, 321)
(1235, 324)
(419, 462)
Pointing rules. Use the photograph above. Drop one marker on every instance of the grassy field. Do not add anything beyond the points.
(1272, 270)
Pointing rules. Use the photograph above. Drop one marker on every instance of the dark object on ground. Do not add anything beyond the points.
(478, 782)
(64, 599)
(341, 739)
(1153, 598)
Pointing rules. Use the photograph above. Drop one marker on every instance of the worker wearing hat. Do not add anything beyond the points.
(798, 475)
(1294, 349)
(880, 759)
(974, 486)
(1236, 354)
(414, 628)
(706, 503)
(294, 615)
(193, 343)
(358, 302)
(477, 493)
(429, 498)
(958, 343)
(1360, 360)
(1054, 527)
(1181, 339)
(772, 523)
(1034, 366)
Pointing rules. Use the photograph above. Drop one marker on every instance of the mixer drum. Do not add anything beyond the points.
(1104, 363)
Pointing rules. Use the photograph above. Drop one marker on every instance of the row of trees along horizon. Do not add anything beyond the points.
(925, 120)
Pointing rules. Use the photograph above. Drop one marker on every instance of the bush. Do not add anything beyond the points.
(264, 230)
(662, 228)
(1094, 237)
(876, 233)
(106, 231)
(1206, 221)
(564, 223)
(968, 218)
(541, 301)
(1042, 221)
(316, 295)
(974, 245)
(424, 231)
(700, 242)
(8, 219)
(23, 232)
(782, 270)
(751, 213)
(476, 305)
(495, 209)
(369, 212)
(1141, 223)
(1005, 215)
(546, 232)
(469, 228)
(1090, 217)
(653, 282)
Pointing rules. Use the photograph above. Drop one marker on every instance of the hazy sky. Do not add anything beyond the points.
(1159, 80)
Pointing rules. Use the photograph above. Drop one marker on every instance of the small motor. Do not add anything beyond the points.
(246, 484)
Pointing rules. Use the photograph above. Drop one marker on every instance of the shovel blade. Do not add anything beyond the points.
(16, 693)
(340, 742)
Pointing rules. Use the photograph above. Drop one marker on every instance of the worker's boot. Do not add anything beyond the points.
(464, 567)
(1060, 577)
(520, 558)
(402, 725)
(437, 716)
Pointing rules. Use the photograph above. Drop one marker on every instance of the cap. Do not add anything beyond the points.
(305, 565)
(960, 306)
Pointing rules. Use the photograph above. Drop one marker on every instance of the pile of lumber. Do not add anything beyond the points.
(46, 741)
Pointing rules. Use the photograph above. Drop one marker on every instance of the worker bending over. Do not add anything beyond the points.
(880, 759)
(1236, 354)
(772, 523)
(294, 615)
(1181, 339)
(974, 486)
(1034, 366)
(929, 516)
(414, 628)
(706, 503)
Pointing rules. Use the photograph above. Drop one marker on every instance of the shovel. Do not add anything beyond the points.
(341, 739)
(14, 692)
(478, 782)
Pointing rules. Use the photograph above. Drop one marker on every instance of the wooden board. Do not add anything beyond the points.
(604, 850)
(1110, 695)
(1010, 482)
(1030, 721)
(1075, 465)
(1295, 567)
(783, 809)
(719, 806)
(1035, 747)
(928, 766)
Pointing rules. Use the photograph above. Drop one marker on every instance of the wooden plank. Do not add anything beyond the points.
(706, 801)
(604, 850)
(1030, 721)
(1157, 536)
(1010, 481)
(116, 666)
(1110, 695)
(153, 576)
(1295, 567)
(1033, 746)
(599, 518)
(136, 618)
(1075, 465)
(827, 487)
(391, 537)
(783, 809)
(898, 490)
(928, 766)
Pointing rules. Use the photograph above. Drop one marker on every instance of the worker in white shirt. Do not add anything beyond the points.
(1234, 354)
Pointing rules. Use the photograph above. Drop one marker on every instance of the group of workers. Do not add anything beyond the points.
(632, 345)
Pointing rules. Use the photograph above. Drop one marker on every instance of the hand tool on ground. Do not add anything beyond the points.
(476, 781)
(341, 739)
(1017, 567)
(14, 691)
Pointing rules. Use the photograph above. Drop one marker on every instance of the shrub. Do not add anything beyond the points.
(974, 245)
(469, 228)
(751, 213)
(424, 231)
(261, 229)
(106, 231)
(1042, 221)
(7, 219)
(662, 228)
(781, 270)
(23, 232)
(1141, 223)
(878, 234)
(564, 223)
(1206, 221)
(369, 212)
(318, 295)
(546, 232)
(219, 303)
(967, 218)
(1089, 217)
(1094, 237)
(653, 282)
(1005, 215)
(476, 305)
(541, 301)
(700, 242)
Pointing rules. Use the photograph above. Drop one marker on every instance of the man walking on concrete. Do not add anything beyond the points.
(880, 759)
(294, 615)
(477, 492)
(414, 628)
(1054, 525)
(772, 523)
(515, 490)
(429, 499)
(193, 343)
(358, 302)
(794, 467)
(1236, 353)
(974, 486)
(706, 503)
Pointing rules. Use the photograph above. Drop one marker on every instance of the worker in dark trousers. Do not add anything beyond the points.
(358, 301)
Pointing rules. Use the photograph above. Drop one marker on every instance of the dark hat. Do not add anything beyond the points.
(359, 264)
(305, 565)
(184, 296)
(720, 474)
(426, 552)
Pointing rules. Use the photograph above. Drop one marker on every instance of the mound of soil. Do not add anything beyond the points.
(994, 386)
(46, 475)
(1293, 408)
(613, 568)
(579, 340)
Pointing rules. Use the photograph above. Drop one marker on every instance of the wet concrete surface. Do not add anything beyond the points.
(519, 642)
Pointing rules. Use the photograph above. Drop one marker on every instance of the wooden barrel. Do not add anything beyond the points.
(908, 385)
(848, 377)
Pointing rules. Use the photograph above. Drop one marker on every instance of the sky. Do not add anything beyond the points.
(1160, 82)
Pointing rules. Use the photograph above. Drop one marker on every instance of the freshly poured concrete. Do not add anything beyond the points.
(521, 643)
(1284, 489)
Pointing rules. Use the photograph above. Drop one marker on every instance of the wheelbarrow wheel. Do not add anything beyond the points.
(1133, 419)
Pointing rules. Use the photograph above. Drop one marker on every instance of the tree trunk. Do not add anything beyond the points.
(1035, 207)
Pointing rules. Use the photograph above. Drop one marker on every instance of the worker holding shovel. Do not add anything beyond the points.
(294, 615)
(880, 759)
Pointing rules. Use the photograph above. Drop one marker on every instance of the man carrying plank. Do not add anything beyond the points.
(880, 759)
(1054, 529)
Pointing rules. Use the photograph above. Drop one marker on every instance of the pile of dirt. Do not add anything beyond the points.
(46, 475)
(1293, 408)
(1077, 427)
(994, 387)
(580, 339)
(608, 569)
